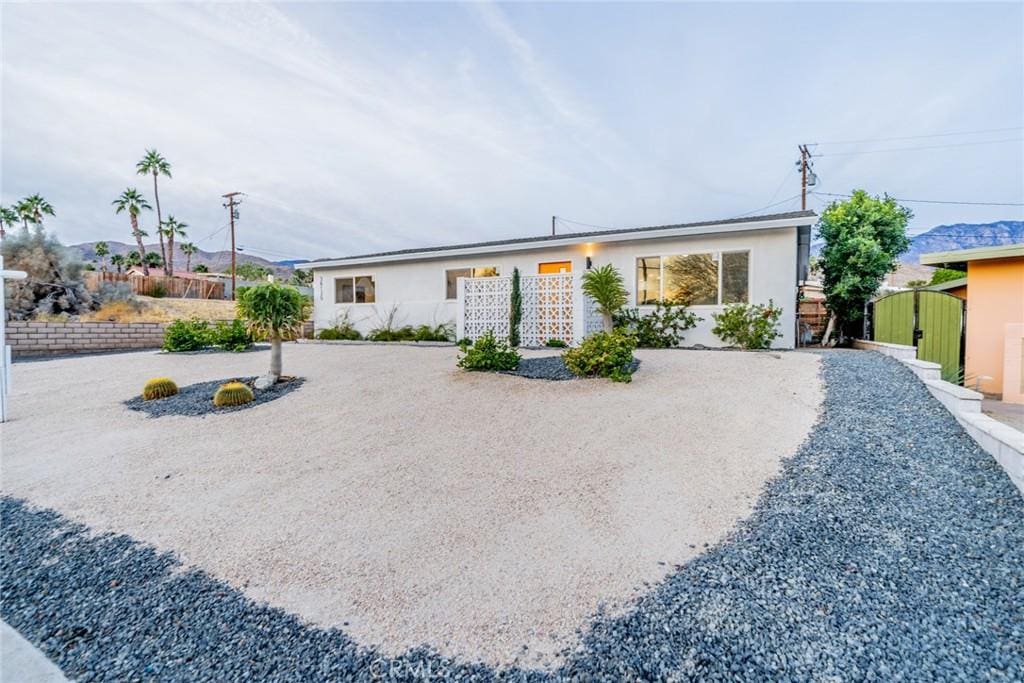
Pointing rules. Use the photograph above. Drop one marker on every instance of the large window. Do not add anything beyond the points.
(451, 278)
(694, 279)
(359, 289)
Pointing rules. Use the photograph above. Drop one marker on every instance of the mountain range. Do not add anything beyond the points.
(216, 261)
(957, 236)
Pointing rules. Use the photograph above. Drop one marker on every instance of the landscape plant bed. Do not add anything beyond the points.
(197, 399)
(551, 368)
(370, 342)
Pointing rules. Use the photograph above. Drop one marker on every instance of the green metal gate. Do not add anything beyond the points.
(931, 321)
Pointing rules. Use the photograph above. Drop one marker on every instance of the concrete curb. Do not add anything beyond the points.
(21, 661)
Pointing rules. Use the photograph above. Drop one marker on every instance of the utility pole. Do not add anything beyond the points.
(233, 213)
(553, 225)
(807, 177)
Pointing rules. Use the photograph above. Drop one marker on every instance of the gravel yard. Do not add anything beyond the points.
(888, 548)
(408, 502)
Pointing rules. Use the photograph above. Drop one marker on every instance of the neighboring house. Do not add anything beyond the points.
(994, 358)
(716, 263)
(957, 288)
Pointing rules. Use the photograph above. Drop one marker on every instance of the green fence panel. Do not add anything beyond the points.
(940, 319)
(894, 319)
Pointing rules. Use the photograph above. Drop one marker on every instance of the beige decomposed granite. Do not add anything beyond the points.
(420, 504)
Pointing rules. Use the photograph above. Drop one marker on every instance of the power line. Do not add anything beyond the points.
(215, 232)
(920, 137)
(783, 201)
(243, 248)
(912, 149)
(931, 201)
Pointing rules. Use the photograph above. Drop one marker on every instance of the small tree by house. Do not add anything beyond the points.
(864, 237)
(515, 315)
(251, 271)
(606, 287)
(273, 311)
(945, 275)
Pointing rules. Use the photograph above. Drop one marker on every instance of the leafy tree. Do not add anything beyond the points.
(172, 228)
(945, 275)
(102, 250)
(251, 271)
(132, 202)
(515, 316)
(201, 268)
(54, 284)
(274, 311)
(864, 237)
(605, 286)
(188, 249)
(8, 217)
(302, 278)
(152, 162)
(118, 261)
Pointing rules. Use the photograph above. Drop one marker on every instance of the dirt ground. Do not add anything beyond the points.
(408, 502)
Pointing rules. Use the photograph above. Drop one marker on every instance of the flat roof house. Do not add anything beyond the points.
(711, 263)
(994, 356)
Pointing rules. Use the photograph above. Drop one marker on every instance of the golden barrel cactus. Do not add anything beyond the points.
(159, 387)
(232, 394)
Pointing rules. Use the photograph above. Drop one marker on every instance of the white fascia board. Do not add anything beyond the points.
(568, 240)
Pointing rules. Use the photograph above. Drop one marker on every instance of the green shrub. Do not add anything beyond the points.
(489, 354)
(662, 328)
(437, 333)
(159, 387)
(603, 354)
(187, 335)
(464, 343)
(338, 332)
(556, 343)
(232, 394)
(231, 336)
(392, 334)
(750, 326)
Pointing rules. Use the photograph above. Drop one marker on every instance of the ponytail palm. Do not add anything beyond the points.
(274, 311)
(605, 286)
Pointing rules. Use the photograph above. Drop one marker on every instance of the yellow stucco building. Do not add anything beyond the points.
(994, 358)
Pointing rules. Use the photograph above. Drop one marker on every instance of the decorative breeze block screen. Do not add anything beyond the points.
(547, 307)
(485, 306)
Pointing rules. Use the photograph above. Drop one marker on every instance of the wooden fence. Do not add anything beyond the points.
(153, 285)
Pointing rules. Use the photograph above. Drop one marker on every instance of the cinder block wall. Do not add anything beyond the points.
(29, 338)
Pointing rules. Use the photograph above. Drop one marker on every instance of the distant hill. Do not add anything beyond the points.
(216, 261)
(957, 236)
(964, 236)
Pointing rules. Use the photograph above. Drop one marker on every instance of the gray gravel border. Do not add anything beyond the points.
(196, 400)
(551, 368)
(889, 548)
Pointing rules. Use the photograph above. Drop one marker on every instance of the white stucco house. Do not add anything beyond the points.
(716, 263)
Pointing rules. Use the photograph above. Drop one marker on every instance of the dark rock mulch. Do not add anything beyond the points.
(889, 548)
(197, 399)
(551, 368)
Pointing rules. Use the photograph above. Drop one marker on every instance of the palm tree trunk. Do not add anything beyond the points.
(169, 260)
(275, 355)
(188, 262)
(607, 322)
(159, 224)
(138, 241)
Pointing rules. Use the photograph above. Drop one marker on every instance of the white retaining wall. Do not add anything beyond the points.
(1003, 442)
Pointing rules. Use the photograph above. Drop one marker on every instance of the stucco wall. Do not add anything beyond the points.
(995, 298)
(418, 288)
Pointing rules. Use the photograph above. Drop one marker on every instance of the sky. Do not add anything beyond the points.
(355, 128)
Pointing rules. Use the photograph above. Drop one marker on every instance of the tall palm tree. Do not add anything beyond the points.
(8, 217)
(102, 250)
(172, 228)
(134, 203)
(38, 206)
(152, 162)
(133, 259)
(188, 249)
(118, 261)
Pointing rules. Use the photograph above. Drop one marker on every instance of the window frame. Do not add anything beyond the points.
(717, 254)
(471, 269)
(352, 279)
